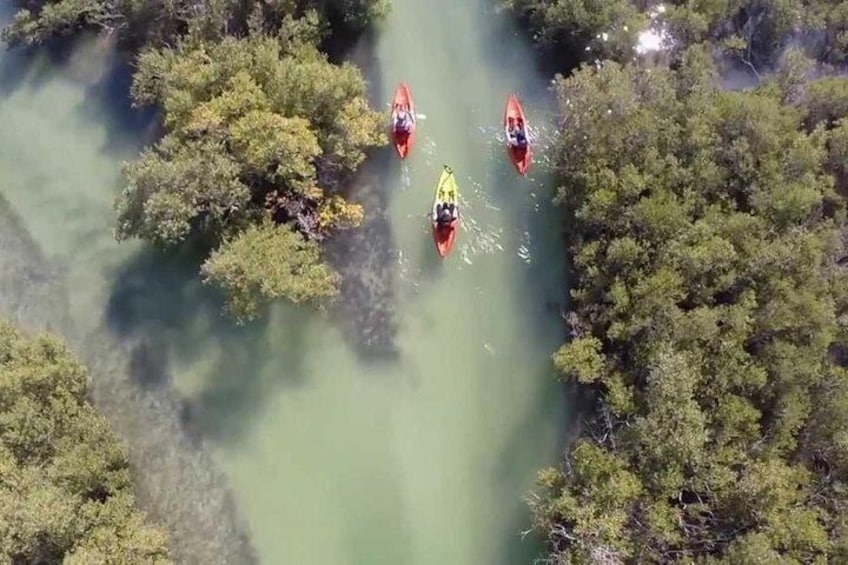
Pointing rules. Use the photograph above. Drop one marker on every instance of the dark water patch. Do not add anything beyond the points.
(148, 367)
(235, 391)
(537, 251)
(31, 66)
(109, 99)
(516, 57)
(159, 300)
(157, 291)
(23, 67)
(519, 543)
(365, 258)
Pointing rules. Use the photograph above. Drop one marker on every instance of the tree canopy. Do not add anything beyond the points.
(253, 126)
(708, 242)
(157, 23)
(65, 487)
(573, 31)
(710, 299)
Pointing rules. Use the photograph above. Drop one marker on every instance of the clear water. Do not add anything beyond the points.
(403, 426)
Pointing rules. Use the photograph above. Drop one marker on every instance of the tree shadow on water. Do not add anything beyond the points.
(109, 99)
(93, 62)
(365, 258)
(159, 291)
(159, 303)
(247, 372)
(31, 66)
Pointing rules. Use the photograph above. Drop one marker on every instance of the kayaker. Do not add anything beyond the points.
(445, 214)
(403, 121)
(517, 137)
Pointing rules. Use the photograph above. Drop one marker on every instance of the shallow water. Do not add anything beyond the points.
(405, 425)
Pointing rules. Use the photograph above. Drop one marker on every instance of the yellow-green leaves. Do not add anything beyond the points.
(65, 492)
(177, 189)
(581, 359)
(266, 262)
(284, 148)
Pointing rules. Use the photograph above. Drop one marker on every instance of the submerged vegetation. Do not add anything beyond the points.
(708, 240)
(260, 129)
(65, 488)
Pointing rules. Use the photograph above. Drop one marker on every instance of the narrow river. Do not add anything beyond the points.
(403, 427)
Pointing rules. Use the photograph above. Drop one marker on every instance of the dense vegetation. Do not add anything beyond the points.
(157, 23)
(710, 293)
(755, 32)
(261, 133)
(65, 489)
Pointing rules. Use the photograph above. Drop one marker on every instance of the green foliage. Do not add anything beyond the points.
(581, 358)
(752, 33)
(572, 29)
(266, 262)
(176, 188)
(65, 489)
(709, 300)
(252, 124)
(157, 23)
(37, 22)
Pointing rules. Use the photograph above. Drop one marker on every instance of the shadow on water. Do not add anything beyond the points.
(365, 257)
(158, 298)
(34, 65)
(159, 291)
(176, 481)
(510, 470)
(236, 390)
(90, 60)
(537, 247)
(110, 95)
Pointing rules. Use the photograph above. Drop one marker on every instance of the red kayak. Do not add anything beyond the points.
(444, 238)
(403, 101)
(514, 117)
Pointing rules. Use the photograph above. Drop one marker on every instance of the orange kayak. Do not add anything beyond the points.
(444, 238)
(514, 116)
(403, 101)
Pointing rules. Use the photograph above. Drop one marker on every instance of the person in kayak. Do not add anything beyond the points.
(403, 121)
(446, 214)
(516, 135)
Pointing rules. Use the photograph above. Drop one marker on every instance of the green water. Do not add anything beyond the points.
(403, 427)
